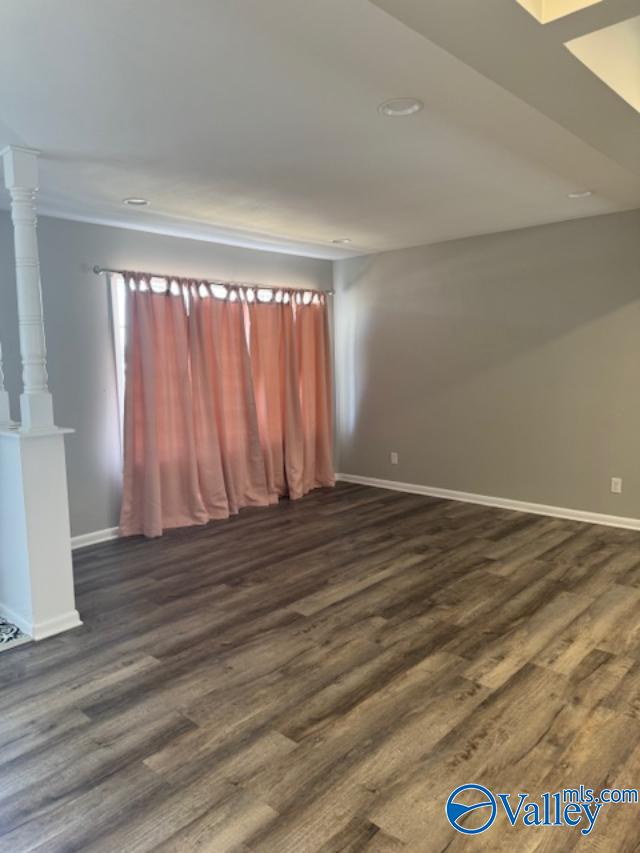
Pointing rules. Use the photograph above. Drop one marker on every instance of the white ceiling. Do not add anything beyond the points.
(256, 122)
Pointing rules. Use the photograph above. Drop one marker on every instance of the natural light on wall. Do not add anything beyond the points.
(119, 329)
(550, 10)
(613, 54)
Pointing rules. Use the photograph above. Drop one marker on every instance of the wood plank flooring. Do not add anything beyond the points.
(318, 676)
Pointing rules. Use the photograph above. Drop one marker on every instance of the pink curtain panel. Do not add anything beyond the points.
(228, 403)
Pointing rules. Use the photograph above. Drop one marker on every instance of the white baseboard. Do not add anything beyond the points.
(42, 630)
(501, 503)
(110, 533)
(94, 538)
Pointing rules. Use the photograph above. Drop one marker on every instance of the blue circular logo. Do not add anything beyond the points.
(468, 798)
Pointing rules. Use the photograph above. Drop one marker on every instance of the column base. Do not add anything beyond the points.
(36, 411)
(36, 572)
(41, 630)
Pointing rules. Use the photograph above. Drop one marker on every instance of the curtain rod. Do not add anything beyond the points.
(98, 270)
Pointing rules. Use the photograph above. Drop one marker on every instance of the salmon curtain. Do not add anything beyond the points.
(228, 401)
(161, 477)
(231, 463)
(315, 394)
(276, 387)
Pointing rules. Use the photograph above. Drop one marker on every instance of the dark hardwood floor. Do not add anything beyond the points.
(318, 676)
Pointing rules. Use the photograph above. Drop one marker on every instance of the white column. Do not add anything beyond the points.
(5, 420)
(21, 179)
(36, 570)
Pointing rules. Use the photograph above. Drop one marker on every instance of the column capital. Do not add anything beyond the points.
(20, 167)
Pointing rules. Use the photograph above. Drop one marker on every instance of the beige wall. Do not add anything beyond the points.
(77, 322)
(506, 365)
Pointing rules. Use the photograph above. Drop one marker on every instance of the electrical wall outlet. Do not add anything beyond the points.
(616, 485)
(394, 457)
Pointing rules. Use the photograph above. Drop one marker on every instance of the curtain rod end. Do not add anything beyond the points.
(97, 270)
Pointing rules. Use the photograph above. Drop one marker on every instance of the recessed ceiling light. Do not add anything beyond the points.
(581, 194)
(342, 240)
(400, 107)
(135, 202)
